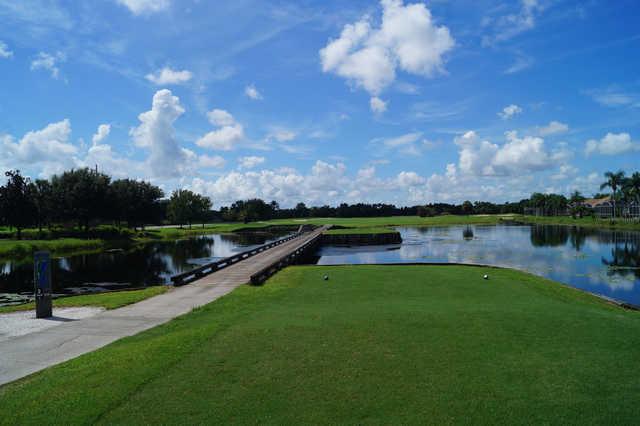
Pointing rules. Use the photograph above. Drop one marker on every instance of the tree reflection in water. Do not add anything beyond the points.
(577, 237)
(467, 233)
(549, 235)
(624, 261)
(13, 275)
(137, 266)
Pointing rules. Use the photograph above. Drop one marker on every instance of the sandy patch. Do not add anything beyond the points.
(25, 322)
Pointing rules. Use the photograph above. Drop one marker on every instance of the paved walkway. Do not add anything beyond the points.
(27, 354)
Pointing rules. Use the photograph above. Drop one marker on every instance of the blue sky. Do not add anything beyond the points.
(325, 101)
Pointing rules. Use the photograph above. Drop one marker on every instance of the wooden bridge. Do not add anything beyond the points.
(266, 259)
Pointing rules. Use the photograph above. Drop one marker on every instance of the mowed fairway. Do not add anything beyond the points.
(373, 344)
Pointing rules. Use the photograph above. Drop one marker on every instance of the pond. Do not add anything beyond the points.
(604, 262)
(138, 266)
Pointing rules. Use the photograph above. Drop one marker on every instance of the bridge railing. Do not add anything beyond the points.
(262, 275)
(201, 271)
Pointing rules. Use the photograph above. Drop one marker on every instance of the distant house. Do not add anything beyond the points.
(602, 207)
(595, 202)
(632, 210)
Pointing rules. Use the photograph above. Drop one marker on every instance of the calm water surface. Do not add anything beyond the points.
(148, 264)
(605, 262)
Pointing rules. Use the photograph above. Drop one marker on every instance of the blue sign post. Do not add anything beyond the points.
(42, 281)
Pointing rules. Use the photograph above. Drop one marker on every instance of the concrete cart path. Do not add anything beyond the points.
(27, 354)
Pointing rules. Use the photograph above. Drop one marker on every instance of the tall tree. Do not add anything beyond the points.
(42, 196)
(16, 203)
(614, 181)
(467, 207)
(301, 210)
(251, 210)
(575, 202)
(633, 183)
(202, 208)
(83, 195)
(576, 197)
(185, 207)
(134, 202)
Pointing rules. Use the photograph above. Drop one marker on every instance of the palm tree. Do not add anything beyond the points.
(634, 185)
(614, 181)
(575, 203)
(576, 197)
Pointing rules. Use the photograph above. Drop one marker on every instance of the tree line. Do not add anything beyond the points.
(257, 209)
(623, 188)
(85, 198)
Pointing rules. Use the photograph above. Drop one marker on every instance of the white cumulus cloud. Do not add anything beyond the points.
(50, 143)
(157, 133)
(281, 134)
(407, 39)
(510, 25)
(166, 76)
(519, 154)
(215, 161)
(614, 96)
(612, 144)
(109, 161)
(553, 128)
(48, 62)
(101, 134)
(377, 105)
(250, 162)
(251, 92)
(228, 134)
(510, 112)
(4, 50)
(411, 144)
(325, 183)
(139, 7)
(408, 179)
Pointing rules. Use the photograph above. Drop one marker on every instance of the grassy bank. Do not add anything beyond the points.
(12, 248)
(23, 248)
(376, 222)
(373, 344)
(588, 222)
(111, 300)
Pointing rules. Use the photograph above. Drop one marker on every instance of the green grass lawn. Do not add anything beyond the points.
(373, 344)
(110, 300)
